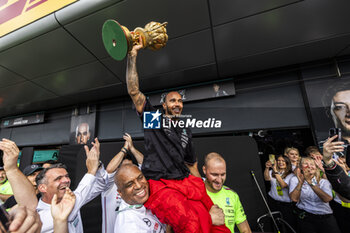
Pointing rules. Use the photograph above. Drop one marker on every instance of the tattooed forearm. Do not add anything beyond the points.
(132, 78)
(132, 81)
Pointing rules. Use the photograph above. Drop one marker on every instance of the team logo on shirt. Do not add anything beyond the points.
(151, 120)
(147, 221)
(75, 221)
(156, 225)
(227, 200)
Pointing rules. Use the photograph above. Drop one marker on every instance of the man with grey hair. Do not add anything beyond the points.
(82, 133)
(54, 180)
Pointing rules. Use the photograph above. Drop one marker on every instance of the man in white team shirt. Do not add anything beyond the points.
(132, 216)
(55, 179)
(110, 199)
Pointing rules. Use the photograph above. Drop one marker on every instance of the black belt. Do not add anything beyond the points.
(302, 214)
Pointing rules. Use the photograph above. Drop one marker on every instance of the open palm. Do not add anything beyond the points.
(61, 210)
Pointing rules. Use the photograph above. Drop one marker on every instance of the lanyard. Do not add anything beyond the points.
(130, 207)
(345, 204)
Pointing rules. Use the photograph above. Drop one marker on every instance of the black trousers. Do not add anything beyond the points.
(342, 215)
(311, 223)
(286, 208)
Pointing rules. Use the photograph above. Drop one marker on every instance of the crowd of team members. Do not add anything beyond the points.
(301, 192)
(45, 188)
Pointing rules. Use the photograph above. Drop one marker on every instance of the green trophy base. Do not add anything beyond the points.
(114, 40)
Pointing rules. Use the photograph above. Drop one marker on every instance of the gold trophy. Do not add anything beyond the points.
(118, 40)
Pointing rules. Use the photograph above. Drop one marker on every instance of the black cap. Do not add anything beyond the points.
(28, 170)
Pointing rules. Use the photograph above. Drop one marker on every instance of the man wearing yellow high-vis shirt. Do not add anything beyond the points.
(5, 187)
(215, 171)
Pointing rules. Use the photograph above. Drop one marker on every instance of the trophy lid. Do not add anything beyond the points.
(114, 39)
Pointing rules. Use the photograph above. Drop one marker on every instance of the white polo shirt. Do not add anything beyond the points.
(309, 201)
(110, 202)
(276, 192)
(137, 219)
(89, 187)
(74, 220)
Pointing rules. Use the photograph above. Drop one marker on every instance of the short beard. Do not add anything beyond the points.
(169, 114)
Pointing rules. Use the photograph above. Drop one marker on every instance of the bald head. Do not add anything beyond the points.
(215, 172)
(132, 184)
(213, 156)
(125, 168)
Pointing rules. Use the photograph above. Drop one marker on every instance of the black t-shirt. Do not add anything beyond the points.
(167, 151)
(10, 202)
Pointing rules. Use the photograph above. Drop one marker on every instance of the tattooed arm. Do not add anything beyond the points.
(132, 79)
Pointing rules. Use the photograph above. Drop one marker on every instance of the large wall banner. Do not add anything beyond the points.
(329, 100)
(18, 13)
(82, 129)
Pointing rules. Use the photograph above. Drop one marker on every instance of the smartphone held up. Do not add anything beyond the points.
(335, 131)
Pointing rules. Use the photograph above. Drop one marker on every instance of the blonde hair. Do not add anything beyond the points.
(317, 174)
(289, 149)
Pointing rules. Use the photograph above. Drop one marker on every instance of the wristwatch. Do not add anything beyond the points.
(313, 182)
(100, 164)
(330, 165)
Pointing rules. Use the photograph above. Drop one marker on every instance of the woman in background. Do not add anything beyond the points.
(293, 154)
(312, 194)
(279, 174)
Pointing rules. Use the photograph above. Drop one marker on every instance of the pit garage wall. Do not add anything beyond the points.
(267, 102)
(270, 100)
(273, 101)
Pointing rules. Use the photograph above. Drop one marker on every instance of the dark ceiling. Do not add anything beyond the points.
(60, 60)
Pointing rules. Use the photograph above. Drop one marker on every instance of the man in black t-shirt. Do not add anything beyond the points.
(170, 153)
(176, 197)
